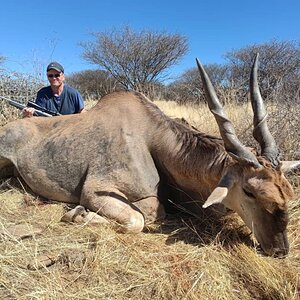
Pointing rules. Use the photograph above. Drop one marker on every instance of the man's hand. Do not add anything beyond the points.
(28, 112)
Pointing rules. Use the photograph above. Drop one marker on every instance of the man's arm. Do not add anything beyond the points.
(28, 112)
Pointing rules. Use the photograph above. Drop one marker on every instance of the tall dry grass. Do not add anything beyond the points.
(184, 257)
(283, 122)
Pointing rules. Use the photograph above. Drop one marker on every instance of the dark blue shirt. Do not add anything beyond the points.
(69, 102)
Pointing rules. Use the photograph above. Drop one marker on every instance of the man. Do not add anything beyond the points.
(58, 97)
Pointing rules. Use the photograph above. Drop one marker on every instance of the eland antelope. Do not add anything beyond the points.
(113, 160)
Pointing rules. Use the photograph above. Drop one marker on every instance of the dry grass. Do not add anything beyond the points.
(200, 116)
(283, 122)
(182, 258)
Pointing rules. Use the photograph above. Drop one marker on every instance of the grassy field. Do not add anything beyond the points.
(210, 257)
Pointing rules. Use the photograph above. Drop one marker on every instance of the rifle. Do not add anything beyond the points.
(42, 109)
(39, 110)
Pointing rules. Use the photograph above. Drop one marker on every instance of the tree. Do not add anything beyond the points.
(135, 59)
(279, 68)
(2, 60)
(188, 87)
(93, 83)
(279, 75)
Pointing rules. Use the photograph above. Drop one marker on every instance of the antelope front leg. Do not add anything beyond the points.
(110, 203)
(80, 215)
(151, 208)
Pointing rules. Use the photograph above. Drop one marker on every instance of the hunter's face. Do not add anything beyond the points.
(55, 78)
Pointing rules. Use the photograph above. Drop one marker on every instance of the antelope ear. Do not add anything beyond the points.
(221, 191)
(290, 166)
(217, 196)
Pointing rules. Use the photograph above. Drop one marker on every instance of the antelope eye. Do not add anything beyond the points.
(249, 194)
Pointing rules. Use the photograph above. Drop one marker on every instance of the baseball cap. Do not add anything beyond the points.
(55, 66)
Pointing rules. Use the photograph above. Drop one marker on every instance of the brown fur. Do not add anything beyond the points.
(120, 158)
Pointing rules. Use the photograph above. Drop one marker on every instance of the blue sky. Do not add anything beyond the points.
(33, 33)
